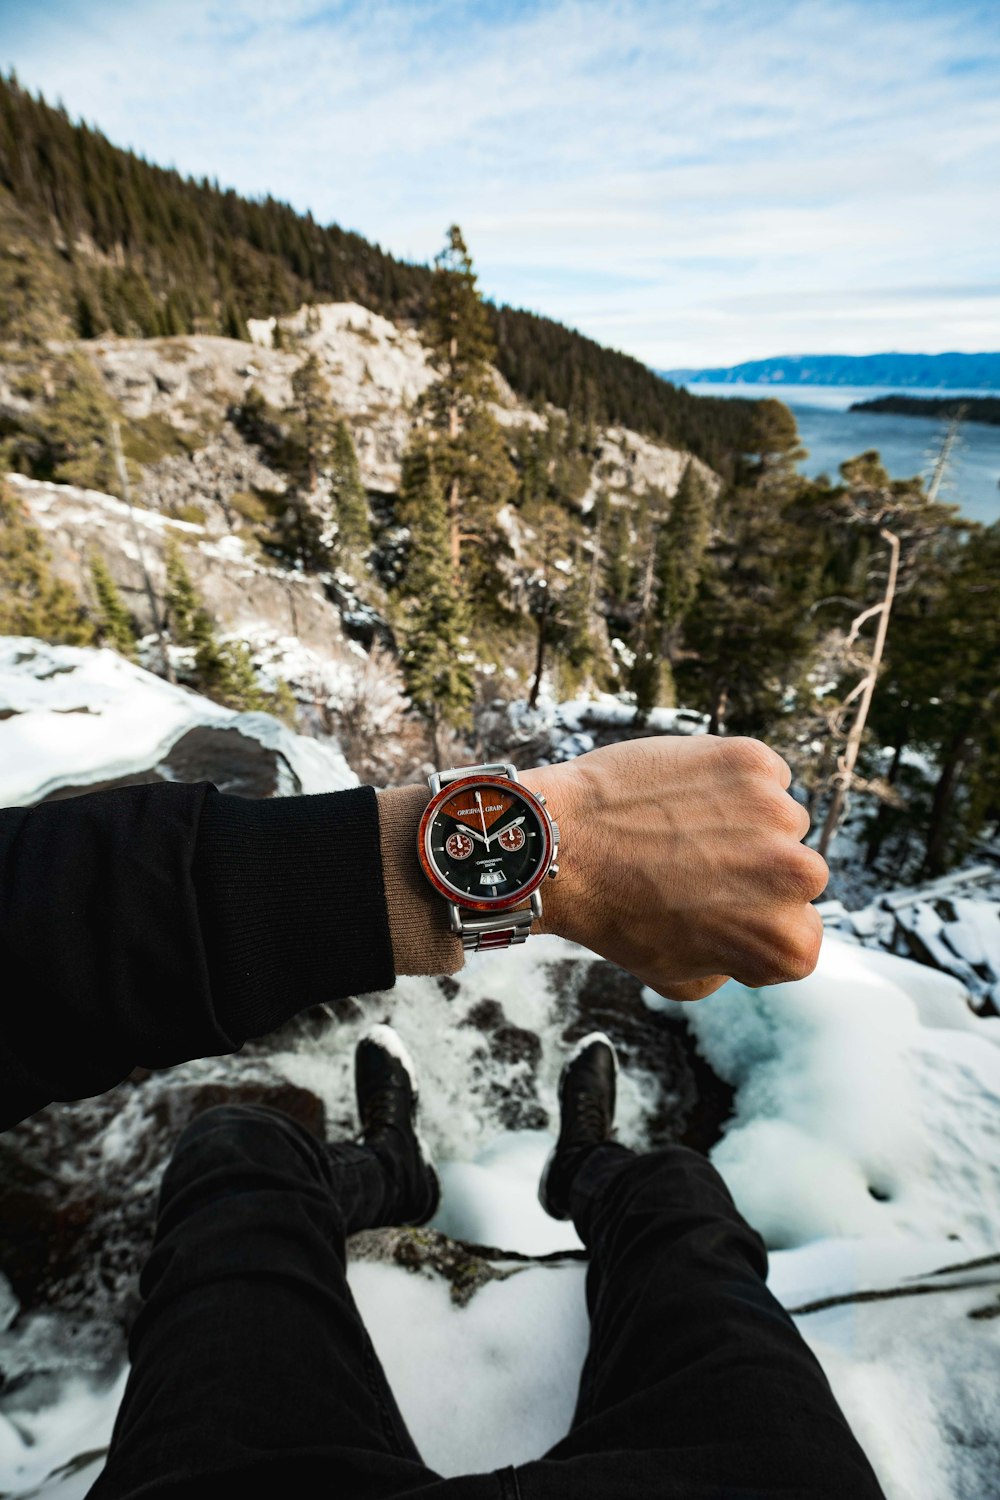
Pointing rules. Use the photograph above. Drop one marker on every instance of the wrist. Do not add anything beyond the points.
(566, 899)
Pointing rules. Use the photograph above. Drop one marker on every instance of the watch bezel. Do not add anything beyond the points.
(452, 893)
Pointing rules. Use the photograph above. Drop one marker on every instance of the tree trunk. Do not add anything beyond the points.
(543, 620)
(454, 497)
(853, 746)
(455, 529)
(718, 714)
(595, 570)
(944, 792)
(881, 825)
(434, 727)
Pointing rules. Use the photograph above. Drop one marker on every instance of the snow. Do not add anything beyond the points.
(573, 726)
(493, 1200)
(72, 504)
(488, 1385)
(36, 1444)
(79, 716)
(76, 716)
(843, 1092)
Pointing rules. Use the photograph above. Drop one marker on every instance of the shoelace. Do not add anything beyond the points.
(590, 1114)
(381, 1109)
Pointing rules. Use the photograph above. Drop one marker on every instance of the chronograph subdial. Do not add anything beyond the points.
(459, 845)
(511, 838)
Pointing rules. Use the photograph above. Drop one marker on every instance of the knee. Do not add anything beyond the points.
(229, 1139)
(225, 1126)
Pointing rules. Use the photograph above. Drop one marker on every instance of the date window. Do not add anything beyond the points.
(492, 878)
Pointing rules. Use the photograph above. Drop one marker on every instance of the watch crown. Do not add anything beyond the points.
(553, 871)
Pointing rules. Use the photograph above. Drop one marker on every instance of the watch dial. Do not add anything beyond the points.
(486, 842)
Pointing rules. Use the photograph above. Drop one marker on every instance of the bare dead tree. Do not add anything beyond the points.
(862, 692)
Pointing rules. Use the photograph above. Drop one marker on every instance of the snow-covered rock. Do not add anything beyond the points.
(72, 716)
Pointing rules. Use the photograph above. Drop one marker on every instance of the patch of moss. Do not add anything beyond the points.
(249, 505)
(189, 511)
(148, 439)
(175, 351)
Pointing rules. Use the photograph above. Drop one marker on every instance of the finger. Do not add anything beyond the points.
(692, 989)
(804, 822)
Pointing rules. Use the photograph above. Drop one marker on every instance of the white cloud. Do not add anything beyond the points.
(696, 184)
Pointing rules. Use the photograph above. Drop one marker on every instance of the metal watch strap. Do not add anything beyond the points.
(486, 934)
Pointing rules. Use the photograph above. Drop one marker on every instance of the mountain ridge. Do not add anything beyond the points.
(953, 370)
(94, 239)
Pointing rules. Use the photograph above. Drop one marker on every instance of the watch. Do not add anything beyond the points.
(486, 843)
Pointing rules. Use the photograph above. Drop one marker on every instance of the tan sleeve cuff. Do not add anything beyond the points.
(422, 942)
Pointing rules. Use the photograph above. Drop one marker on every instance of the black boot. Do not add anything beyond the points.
(586, 1118)
(386, 1084)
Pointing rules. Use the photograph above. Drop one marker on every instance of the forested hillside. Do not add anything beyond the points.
(143, 251)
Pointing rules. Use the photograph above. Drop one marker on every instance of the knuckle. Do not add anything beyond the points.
(805, 871)
(748, 755)
(802, 954)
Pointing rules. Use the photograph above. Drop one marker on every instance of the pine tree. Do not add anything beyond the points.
(189, 622)
(471, 456)
(32, 601)
(435, 627)
(66, 438)
(312, 423)
(223, 670)
(750, 632)
(350, 501)
(307, 529)
(115, 626)
(681, 546)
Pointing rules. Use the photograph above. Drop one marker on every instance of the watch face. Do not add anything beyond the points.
(484, 843)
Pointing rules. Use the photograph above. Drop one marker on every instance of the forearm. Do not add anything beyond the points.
(154, 924)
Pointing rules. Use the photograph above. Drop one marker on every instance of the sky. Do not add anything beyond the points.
(697, 183)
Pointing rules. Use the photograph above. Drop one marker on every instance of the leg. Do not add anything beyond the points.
(249, 1357)
(697, 1382)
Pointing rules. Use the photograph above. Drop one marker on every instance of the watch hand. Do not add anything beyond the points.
(474, 834)
(512, 824)
(479, 804)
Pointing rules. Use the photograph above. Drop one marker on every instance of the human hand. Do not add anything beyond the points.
(681, 861)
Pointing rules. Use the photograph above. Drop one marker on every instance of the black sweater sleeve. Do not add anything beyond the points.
(152, 924)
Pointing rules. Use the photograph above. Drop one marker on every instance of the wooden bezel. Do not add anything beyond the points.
(492, 903)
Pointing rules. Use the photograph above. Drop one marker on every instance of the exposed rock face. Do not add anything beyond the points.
(629, 464)
(376, 373)
(208, 478)
(241, 588)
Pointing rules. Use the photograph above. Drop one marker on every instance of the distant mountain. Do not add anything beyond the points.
(955, 372)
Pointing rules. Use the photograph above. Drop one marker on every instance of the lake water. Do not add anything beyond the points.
(908, 445)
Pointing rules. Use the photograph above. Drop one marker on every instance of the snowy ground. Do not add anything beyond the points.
(864, 1143)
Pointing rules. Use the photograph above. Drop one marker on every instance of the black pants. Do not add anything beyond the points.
(250, 1361)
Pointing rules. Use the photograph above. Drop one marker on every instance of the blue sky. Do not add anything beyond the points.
(697, 183)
